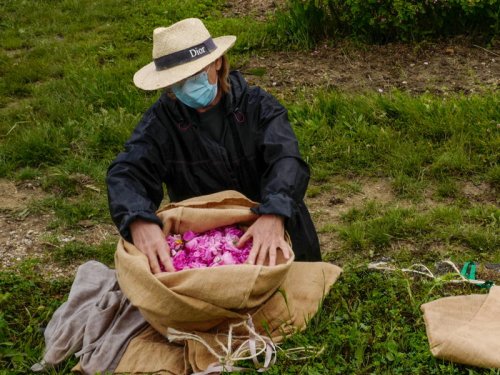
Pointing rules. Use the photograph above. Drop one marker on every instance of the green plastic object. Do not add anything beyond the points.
(469, 270)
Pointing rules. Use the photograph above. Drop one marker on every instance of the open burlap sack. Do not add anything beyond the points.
(465, 329)
(285, 312)
(198, 299)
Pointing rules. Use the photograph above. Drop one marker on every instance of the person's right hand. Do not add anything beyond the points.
(150, 240)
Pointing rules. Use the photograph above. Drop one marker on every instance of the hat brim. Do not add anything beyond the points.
(148, 78)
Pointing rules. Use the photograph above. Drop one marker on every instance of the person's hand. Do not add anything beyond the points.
(268, 234)
(150, 240)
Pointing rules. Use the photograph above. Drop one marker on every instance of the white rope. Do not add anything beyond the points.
(425, 271)
(253, 346)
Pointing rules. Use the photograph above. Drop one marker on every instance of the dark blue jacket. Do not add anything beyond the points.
(258, 155)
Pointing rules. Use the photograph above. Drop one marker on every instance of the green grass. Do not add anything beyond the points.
(80, 252)
(67, 105)
(415, 141)
(373, 230)
(67, 92)
(356, 338)
(369, 323)
(28, 303)
(69, 212)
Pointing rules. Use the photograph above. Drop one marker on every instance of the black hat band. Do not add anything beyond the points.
(185, 55)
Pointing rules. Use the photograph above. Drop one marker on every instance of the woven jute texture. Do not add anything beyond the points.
(280, 299)
(465, 329)
(198, 299)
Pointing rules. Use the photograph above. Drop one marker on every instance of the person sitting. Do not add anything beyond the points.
(209, 131)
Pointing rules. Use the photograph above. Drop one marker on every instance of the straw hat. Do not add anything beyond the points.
(179, 51)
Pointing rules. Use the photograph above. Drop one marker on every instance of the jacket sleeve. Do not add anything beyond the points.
(286, 175)
(135, 178)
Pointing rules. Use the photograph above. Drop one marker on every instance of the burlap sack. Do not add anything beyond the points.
(285, 312)
(151, 353)
(200, 299)
(465, 329)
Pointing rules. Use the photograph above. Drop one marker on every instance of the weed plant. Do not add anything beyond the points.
(67, 105)
(302, 23)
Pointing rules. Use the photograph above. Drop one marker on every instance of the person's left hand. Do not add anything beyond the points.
(268, 234)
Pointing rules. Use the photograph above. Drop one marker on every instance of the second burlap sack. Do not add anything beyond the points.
(198, 299)
(465, 329)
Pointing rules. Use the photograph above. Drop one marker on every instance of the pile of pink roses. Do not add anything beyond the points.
(215, 247)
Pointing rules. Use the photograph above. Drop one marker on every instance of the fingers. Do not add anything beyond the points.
(165, 259)
(253, 252)
(260, 252)
(264, 250)
(285, 249)
(150, 240)
(153, 262)
(272, 256)
(246, 236)
(158, 254)
(169, 266)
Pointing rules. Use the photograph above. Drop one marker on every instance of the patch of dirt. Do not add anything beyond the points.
(454, 65)
(327, 208)
(260, 9)
(472, 192)
(20, 239)
(480, 192)
(442, 68)
(12, 198)
(96, 234)
(23, 234)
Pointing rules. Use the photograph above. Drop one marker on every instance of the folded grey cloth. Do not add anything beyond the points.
(96, 322)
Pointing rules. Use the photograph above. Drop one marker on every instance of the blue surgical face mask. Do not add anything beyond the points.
(196, 92)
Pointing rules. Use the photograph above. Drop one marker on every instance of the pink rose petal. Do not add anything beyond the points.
(189, 235)
(209, 249)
